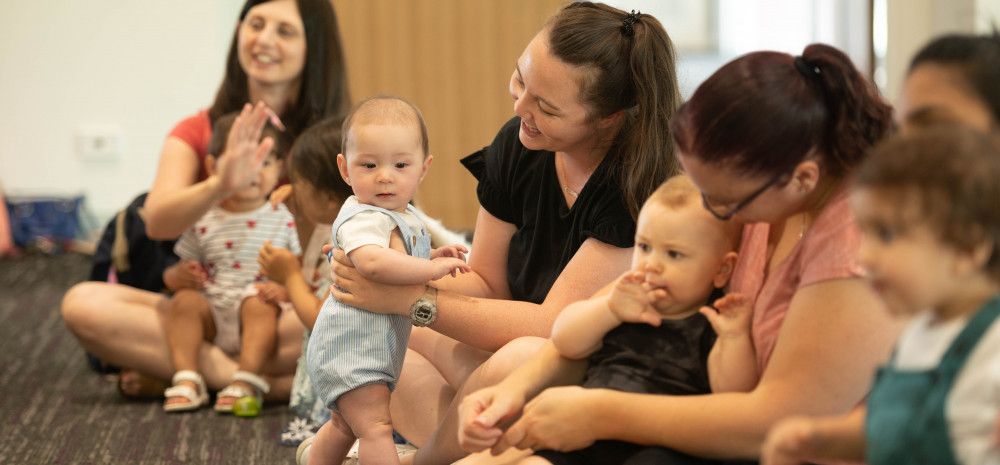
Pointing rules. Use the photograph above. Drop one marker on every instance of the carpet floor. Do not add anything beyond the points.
(55, 410)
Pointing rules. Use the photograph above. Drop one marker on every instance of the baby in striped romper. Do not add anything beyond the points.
(354, 356)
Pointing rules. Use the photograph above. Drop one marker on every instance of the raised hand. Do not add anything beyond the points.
(631, 302)
(238, 166)
(731, 315)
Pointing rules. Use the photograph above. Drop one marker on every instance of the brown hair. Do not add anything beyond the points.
(220, 135)
(764, 112)
(313, 159)
(385, 109)
(679, 192)
(976, 58)
(323, 91)
(630, 70)
(951, 171)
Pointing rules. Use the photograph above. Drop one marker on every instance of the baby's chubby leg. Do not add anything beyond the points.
(366, 410)
(332, 442)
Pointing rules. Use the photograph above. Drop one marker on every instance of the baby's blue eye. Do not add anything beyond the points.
(401, 165)
(674, 254)
(643, 246)
(368, 165)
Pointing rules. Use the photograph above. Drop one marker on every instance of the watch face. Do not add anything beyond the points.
(423, 312)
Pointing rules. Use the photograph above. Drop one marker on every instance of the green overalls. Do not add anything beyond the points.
(906, 421)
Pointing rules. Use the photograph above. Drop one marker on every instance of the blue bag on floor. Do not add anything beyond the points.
(36, 220)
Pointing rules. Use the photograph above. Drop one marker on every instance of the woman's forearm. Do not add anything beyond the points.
(488, 324)
(723, 426)
(168, 213)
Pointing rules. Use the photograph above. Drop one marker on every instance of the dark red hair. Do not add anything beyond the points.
(762, 113)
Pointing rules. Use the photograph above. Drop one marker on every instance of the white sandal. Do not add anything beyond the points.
(195, 398)
(236, 392)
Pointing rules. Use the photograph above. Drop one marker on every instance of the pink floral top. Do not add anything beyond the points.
(828, 250)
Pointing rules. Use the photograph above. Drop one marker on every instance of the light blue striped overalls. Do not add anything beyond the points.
(350, 347)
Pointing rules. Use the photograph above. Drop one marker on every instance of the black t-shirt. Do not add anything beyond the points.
(669, 359)
(519, 186)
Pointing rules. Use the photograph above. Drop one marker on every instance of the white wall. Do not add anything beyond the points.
(139, 65)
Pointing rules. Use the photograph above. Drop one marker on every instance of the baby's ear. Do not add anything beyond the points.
(342, 166)
(427, 164)
(725, 270)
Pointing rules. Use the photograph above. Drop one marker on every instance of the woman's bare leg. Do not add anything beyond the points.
(125, 326)
(425, 390)
(443, 447)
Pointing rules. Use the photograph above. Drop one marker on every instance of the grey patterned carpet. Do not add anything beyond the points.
(55, 410)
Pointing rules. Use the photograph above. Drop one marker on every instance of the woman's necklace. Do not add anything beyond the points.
(565, 178)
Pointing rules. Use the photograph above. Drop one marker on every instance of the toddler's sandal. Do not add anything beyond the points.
(245, 402)
(195, 398)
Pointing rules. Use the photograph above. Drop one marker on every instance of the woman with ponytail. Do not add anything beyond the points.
(771, 141)
(559, 187)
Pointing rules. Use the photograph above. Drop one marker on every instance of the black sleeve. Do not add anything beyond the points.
(493, 167)
(611, 222)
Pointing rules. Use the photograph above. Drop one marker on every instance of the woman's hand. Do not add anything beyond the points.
(556, 419)
(353, 289)
(237, 167)
(185, 274)
(277, 263)
(483, 414)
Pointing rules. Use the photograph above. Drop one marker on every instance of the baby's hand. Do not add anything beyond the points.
(272, 292)
(282, 195)
(444, 266)
(277, 263)
(454, 250)
(630, 301)
(731, 316)
(186, 274)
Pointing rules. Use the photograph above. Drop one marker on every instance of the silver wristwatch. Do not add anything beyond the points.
(424, 311)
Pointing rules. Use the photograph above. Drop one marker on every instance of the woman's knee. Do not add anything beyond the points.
(508, 358)
(80, 311)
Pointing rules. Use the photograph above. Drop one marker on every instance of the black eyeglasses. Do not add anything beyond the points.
(726, 216)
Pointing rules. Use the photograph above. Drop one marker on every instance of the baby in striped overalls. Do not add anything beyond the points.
(354, 356)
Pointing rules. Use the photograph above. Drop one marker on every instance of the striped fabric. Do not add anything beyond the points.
(350, 347)
(227, 244)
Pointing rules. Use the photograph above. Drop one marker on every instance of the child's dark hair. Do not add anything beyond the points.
(220, 134)
(385, 109)
(763, 113)
(630, 67)
(951, 171)
(976, 58)
(313, 158)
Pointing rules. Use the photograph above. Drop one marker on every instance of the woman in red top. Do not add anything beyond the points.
(286, 59)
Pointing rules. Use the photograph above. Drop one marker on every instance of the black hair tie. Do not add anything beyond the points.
(630, 19)
(811, 72)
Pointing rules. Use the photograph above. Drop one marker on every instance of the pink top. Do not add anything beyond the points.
(828, 250)
(196, 131)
